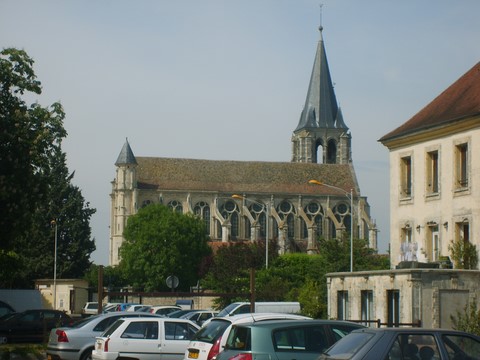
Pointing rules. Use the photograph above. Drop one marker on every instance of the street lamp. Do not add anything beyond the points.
(54, 223)
(267, 215)
(349, 196)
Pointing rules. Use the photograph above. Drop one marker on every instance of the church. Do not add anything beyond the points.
(289, 204)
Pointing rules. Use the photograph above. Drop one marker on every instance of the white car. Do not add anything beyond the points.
(210, 340)
(145, 338)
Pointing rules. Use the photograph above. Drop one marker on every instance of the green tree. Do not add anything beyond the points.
(159, 243)
(469, 320)
(464, 254)
(35, 185)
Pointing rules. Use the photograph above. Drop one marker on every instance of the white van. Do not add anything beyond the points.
(283, 307)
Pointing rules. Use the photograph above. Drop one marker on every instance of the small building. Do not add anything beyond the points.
(71, 294)
(424, 296)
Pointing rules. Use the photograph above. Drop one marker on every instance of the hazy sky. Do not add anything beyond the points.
(227, 80)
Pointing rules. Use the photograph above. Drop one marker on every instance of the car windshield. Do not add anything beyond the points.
(349, 344)
(212, 331)
(112, 328)
(227, 310)
(81, 323)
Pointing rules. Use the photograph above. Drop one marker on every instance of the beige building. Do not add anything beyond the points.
(70, 294)
(434, 175)
(434, 200)
(278, 202)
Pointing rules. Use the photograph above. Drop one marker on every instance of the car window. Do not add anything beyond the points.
(311, 338)
(141, 330)
(461, 347)
(340, 331)
(212, 331)
(177, 331)
(112, 328)
(82, 323)
(105, 323)
(350, 344)
(239, 339)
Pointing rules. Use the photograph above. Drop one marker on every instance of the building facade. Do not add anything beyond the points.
(434, 200)
(274, 199)
(434, 175)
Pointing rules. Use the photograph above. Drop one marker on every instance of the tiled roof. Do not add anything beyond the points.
(459, 101)
(243, 176)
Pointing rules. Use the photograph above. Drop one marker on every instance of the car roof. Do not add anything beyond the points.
(251, 317)
(294, 323)
(413, 330)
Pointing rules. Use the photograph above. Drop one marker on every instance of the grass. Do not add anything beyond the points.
(22, 351)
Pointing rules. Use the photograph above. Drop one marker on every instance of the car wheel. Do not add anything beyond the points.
(87, 355)
(3, 339)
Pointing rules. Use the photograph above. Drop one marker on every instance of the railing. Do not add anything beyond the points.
(379, 323)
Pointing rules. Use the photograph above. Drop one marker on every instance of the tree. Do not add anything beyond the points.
(35, 184)
(159, 243)
(469, 320)
(464, 254)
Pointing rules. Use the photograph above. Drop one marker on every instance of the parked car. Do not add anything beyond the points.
(405, 343)
(5, 308)
(142, 338)
(77, 342)
(284, 339)
(164, 309)
(178, 313)
(199, 316)
(124, 306)
(89, 309)
(32, 325)
(236, 308)
(135, 307)
(210, 340)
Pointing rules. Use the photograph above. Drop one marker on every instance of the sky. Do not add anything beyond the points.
(227, 80)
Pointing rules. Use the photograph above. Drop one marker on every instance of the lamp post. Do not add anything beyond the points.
(267, 215)
(349, 196)
(54, 223)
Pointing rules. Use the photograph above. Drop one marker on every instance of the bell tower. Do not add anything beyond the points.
(321, 135)
(123, 199)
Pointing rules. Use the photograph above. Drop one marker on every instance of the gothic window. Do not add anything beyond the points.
(229, 210)
(286, 211)
(175, 206)
(146, 202)
(331, 152)
(318, 152)
(258, 211)
(343, 215)
(314, 212)
(432, 172)
(202, 210)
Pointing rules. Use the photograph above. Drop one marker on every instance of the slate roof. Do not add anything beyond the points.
(321, 109)
(126, 156)
(243, 176)
(459, 101)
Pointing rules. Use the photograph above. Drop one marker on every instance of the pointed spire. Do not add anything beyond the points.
(321, 101)
(126, 156)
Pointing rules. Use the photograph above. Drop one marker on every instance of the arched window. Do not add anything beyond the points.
(229, 210)
(331, 152)
(286, 211)
(176, 206)
(319, 152)
(202, 210)
(314, 212)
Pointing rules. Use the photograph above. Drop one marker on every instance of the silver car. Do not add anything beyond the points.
(77, 342)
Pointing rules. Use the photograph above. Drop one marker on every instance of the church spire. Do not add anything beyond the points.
(321, 109)
(321, 122)
(126, 156)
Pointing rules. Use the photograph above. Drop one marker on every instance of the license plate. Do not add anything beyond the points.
(193, 355)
